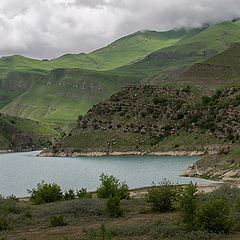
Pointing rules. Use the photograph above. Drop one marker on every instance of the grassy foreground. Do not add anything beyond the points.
(85, 218)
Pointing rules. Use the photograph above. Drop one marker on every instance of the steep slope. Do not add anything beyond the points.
(22, 134)
(15, 83)
(166, 64)
(224, 66)
(156, 118)
(64, 94)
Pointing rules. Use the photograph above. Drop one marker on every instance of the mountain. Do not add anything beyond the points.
(166, 64)
(20, 134)
(63, 94)
(59, 95)
(149, 119)
(121, 52)
(224, 66)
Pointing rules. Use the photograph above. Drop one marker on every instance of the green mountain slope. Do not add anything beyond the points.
(120, 52)
(61, 95)
(166, 64)
(19, 74)
(224, 66)
(64, 94)
(22, 134)
(15, 83)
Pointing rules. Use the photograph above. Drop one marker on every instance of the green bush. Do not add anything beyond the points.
(113, 207)
(57, 221)
(82, 193)
(101, 234)
(206, 100)
(8, 211)
(123, 191)
(166, 231)
(162, 197)
(45, 193)
(213, 216)
(198, 235)
(5, 223)
(69, 194)
(131, 230)
(110, 186)
(187, 200)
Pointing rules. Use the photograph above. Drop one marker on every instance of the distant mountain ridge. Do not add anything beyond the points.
(59, 90)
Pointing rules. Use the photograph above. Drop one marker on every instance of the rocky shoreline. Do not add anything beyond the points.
(6, 151)
(99, 154)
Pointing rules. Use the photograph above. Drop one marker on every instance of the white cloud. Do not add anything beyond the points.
(49, 28)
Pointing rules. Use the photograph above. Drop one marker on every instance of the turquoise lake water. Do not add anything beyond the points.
(22, 171)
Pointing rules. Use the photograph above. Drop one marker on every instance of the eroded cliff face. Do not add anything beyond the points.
(225, 165)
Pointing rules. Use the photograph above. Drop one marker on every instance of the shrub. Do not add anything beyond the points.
(166, 231)
(13, 198)
(110, 186)
(123, 191)
(131, 230)
(213, 216)
(180, 116)
(57, 221)
(198, 235)
(5, 223)
(206, 100)
(187, 89)
(113, 207)
(82, 193)
(187, 200)
(101, 234)
(69, 194)
(45, 193)
(162, 197)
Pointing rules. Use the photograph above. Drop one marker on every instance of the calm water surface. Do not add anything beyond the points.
(22, 171)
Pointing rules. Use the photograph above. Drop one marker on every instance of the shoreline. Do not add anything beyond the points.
(6, 151)
(127, 153)
(137, 192)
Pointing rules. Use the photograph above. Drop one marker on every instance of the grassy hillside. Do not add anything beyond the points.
(167, 63)
(157, 118)
(221, 67)
(123, 51)
(23, 134)
(64, 94)
(60, 95)
(15, 83)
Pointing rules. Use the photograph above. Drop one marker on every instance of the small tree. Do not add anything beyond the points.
(82, 193)
(213, 216)
(69, 194)
(45, 193)
(110, 186)
(188, 205)
(162, 197)
(113, 207)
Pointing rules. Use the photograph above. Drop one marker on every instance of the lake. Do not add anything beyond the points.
(22, 171)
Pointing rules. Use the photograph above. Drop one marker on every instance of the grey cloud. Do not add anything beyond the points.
(49, 28)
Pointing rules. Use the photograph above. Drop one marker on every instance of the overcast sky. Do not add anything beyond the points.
(50, 28)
